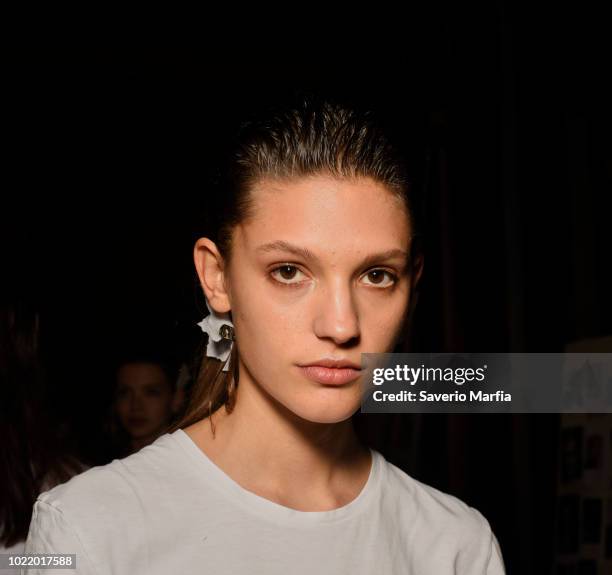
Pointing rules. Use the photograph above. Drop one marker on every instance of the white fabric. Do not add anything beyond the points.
(168, 509)
(17, 549)
(217, 346)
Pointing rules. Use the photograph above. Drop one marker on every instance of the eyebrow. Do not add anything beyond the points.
(148, 385)
(305, 253)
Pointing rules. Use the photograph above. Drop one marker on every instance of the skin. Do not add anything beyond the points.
(289, 439)
(144, 392)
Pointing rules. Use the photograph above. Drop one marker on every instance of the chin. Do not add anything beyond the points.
(325, 411)
(141, 433)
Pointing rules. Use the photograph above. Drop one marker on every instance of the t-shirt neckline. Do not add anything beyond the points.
(275, 511)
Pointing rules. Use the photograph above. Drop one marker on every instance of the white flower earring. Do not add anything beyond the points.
(220, 330)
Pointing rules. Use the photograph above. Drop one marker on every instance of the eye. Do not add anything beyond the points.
(377, 278)
(285, 273)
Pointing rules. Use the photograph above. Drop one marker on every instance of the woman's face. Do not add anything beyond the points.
(320, 271)
(144, 399)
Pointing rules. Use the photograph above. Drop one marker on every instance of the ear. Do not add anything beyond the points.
(211, 270)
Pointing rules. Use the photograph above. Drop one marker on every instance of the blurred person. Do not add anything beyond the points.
(146, 398)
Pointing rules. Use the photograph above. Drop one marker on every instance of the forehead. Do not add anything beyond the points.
(353, 214)
(141, 373)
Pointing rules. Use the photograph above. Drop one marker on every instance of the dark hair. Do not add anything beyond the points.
(164, 361)
(34, 455)
(309, 135)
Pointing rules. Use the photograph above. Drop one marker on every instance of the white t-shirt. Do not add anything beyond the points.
(168, 509)
(19, 547)
(16, 549)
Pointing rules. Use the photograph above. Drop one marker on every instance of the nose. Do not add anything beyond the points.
(135, 403)
(337, 317)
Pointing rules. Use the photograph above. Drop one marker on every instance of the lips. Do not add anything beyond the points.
(330, 375)
(332, 362)
(137, 420)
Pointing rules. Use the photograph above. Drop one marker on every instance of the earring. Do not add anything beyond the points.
(220, 330)
(226, 331)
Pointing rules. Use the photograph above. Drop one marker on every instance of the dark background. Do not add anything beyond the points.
(505, 113)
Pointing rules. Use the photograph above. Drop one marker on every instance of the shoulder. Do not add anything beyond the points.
(117, 484)
(104, 506)
(67, 467)
(432, 506)
(436, 531)
(99, 490)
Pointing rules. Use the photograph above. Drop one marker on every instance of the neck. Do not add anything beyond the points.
(271, 451)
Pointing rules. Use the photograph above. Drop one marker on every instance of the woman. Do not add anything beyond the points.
(311, 265)
(146, 400)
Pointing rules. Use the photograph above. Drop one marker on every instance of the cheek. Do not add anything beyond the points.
(122, 406)
(380, 328)
(268, 340)
(261, 349)
(263, 323)
(156, 406)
